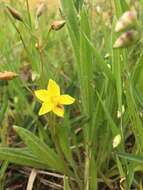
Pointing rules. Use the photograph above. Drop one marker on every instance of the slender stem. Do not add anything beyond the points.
(41, 54)
(87, 167)
(28, 11)
(4, 129)
(57, 146)
(21, 38)
(41, 51)
(46, 40)
(4, 137)
(60, 152)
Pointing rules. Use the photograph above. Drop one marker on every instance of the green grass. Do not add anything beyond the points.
(107, 85)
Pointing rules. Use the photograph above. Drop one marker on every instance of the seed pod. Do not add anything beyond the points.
(16, 14)
(7, 75)
(57, 25)
(40, 9)
(129, 18)
(126, 39)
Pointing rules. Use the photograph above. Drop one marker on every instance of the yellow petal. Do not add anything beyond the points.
(59, 111)
(66, 99)
(42, 95)
(53, 88)
(45, 108)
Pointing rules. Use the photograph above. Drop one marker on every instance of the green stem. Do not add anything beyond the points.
(87, 168)
(28, 11)
(57, 146)
(4, 137)
(21, 38)
(60, 152)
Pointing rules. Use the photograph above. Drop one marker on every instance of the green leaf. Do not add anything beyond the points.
(70, 14)
(113, 126)
(100, 63)
(40, 149)
(131, 157)
(21, 157)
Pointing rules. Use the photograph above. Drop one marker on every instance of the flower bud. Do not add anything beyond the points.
(129, 18)
(16, 14)
(57, 25)
(7, 75)
(40, 9)
(116, 141)
(126, 39)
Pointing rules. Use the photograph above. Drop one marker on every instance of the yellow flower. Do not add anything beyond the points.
(52, 100)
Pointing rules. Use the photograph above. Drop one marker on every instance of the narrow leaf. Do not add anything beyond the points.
(131, 157)
(18, 156)
(39, 148)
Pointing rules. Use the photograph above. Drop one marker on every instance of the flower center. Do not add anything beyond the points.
(55, 99)
(60, 106)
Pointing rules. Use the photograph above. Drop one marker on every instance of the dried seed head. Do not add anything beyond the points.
(40, 9)
(7, 75)
(16, 14)
(57, 25)
(126, 39)
(129, 18)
